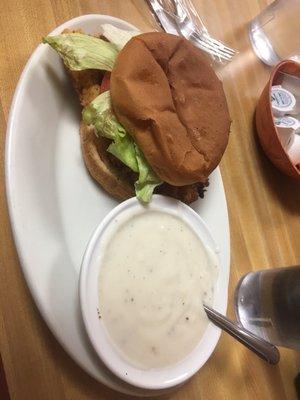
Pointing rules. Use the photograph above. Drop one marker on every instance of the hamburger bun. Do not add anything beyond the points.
(113, 178)
(170, 100)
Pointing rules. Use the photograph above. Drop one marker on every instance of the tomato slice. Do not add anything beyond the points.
(105, 84)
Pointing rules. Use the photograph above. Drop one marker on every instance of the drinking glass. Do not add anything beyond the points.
(275, 32)
(267, 303)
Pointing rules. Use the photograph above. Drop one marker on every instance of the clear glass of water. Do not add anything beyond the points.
(267, 303)
(275, 32)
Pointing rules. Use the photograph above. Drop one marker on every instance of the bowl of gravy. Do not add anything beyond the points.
(145, 275)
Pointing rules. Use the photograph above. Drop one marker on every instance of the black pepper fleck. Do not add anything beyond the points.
(187, 318)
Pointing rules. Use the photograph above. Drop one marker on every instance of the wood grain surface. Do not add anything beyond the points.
(264, 211)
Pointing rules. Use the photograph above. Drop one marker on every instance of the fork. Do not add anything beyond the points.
(199, 36)
(191, 26)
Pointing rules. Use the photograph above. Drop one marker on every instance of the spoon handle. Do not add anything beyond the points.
(259, 346)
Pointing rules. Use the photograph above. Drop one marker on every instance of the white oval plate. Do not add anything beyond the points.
(54, 205)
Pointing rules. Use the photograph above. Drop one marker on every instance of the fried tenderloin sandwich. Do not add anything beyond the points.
(155, 117)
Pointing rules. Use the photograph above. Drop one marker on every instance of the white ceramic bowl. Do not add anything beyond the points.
(152, 378)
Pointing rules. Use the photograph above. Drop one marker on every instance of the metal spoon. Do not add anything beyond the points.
(259, 346)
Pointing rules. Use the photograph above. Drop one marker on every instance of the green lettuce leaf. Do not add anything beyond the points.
(99, 113)
(124, 150)
(80, 51)
(147, 181)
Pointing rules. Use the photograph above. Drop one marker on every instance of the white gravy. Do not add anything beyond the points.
(155, 274)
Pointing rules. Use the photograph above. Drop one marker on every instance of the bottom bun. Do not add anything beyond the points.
(116, 181)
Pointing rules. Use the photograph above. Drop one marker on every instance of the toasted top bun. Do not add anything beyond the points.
(170, 100)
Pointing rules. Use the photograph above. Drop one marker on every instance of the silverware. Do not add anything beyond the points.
(180, 17)
(259, 346)
(163, 19)
(199, 34)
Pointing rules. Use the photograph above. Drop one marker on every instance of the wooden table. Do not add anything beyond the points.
(264, 210)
